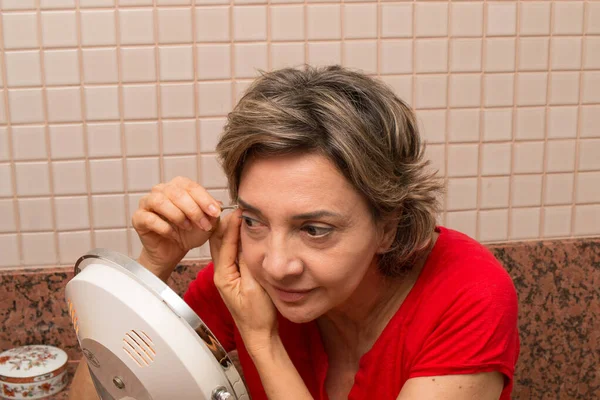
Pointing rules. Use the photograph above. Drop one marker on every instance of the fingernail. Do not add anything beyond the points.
(187, 225)
(213, 210)
(205, 224)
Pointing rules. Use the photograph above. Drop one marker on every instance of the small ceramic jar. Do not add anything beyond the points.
(32, 372)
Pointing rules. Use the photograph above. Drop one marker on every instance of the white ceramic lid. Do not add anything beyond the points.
(31, 361)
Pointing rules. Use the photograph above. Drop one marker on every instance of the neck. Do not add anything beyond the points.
(354, 326)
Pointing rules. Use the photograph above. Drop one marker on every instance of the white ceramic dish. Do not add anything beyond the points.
(32, 372)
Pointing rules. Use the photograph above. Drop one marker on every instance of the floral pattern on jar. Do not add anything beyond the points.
(28, 357)
(36, 390)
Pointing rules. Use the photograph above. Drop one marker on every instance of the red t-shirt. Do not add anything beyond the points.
(459, 318)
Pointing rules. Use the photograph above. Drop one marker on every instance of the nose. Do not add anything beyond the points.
(279, 260)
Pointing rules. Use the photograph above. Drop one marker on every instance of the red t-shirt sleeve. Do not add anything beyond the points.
(476, 328)
(204, 298)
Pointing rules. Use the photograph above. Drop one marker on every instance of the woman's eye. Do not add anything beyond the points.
(250, 222)
(316, 231)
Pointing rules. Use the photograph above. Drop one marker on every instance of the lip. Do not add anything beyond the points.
(291, 295)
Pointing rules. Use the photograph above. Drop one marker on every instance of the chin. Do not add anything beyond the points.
(297, 314)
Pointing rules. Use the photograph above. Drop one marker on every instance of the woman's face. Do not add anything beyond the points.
(307, 235)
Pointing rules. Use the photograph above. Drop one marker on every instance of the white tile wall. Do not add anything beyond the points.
(102, 99)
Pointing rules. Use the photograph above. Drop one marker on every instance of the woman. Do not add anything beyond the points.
(332, 276)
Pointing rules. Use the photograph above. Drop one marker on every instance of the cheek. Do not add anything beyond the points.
(344, 265)
(338, 270)
(252, 253)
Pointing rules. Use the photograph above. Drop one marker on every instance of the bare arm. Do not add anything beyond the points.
(278, 375)
(484, 386)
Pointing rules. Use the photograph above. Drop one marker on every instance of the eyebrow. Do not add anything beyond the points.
(309, 215)
(248, 206)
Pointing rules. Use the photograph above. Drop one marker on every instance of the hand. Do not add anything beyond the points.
(173, 219)
(254, 314)
(250, 305)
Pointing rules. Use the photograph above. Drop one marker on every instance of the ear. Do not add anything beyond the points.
(388, 229)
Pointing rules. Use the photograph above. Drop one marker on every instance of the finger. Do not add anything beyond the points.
(226, 236)
(160, 204)
(224, 247)
(145, 221)
(207, 203)
(158, 188)
(182, 199)
(248, 281)
(219, 231)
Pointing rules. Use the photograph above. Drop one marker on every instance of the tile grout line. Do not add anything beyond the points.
(342, 8)
(125, 171)
(414, 84)
(225, 80)
(11, 158)
(47, 133)
(314, 40)
(232, 71)
(578, 129)
(547, 108)
(157, 85)
(248, 3)
(378, 26)
(88, 174)
(342, 52)
(197, 127)
(305, 25)
(113, 120)
(513, 125)
(446, 109)
(269, 46)
(481, 116)
(110, 157)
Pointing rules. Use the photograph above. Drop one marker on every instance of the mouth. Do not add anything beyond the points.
(292, 295)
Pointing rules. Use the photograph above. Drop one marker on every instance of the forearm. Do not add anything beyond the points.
(161, 271)
(82, 387)
(279, 377)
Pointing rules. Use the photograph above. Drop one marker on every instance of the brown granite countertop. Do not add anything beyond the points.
(558, 283)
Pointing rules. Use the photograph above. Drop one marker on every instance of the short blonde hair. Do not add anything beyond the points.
(358, 123)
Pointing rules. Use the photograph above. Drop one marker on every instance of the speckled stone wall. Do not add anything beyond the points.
(558, 283)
